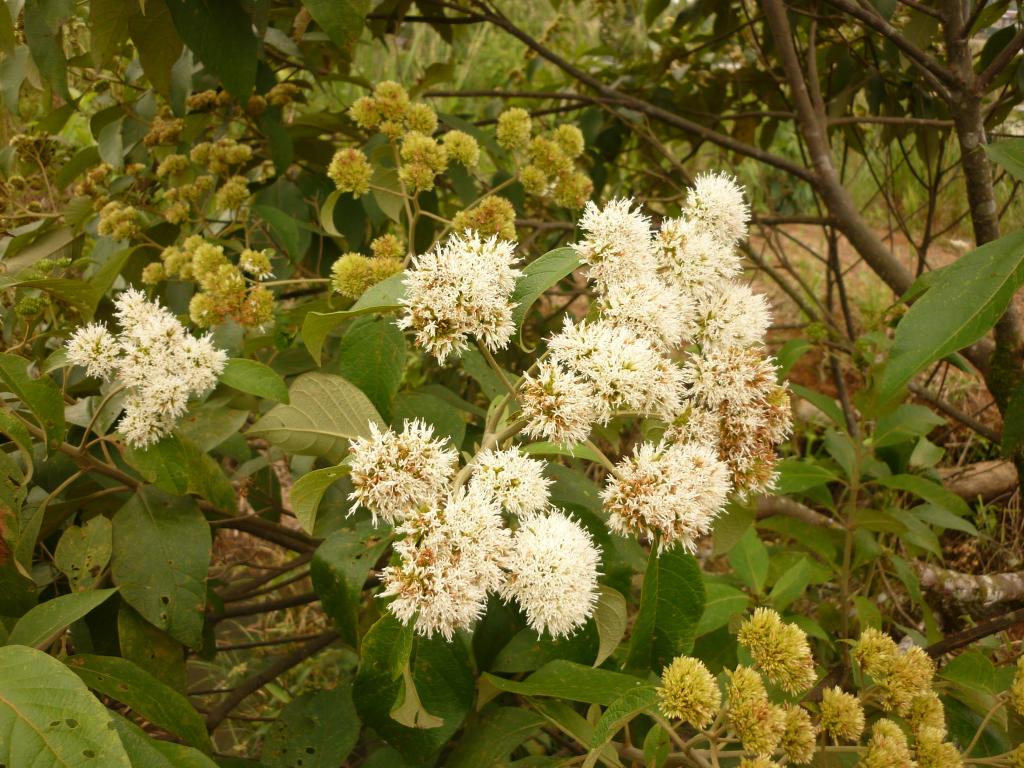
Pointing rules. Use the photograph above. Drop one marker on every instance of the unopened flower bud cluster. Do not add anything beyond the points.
(910, 732)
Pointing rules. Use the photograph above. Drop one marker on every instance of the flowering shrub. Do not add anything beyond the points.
(340, 428)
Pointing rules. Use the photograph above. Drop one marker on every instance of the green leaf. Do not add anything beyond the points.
(325, 412)
(1009, 155)
(42, 625)
(579, 451)
(927, 490)
(151, 648)
(1013, 423)
(41, 396)
(966, 301)
(568, 680)
(146, 752)
(822, 402)
(108, 23)
(619, 713)
(308, 491)
(611, 619)
(220, 33)
(157, 43)
(342, 20)
(723, 602)
(372, 356)
(44, 25)
(83, 552)
(316, 730)
(255, 378)
(161, 557)
(671, 604)
(797, 475)
(49, 718)
(178, 466)
(493, 737)
(749, 558)
(442, 675)
(538, 276)
(339, 570)
(137, 689)
(791, 584)
(385, 296)
(908, 422)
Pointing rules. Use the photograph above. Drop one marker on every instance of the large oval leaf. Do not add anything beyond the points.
(539, 275)
(40, 626)
(324, 413)
(385, 296)
(963, 304)
(161, 557)
(49, 719)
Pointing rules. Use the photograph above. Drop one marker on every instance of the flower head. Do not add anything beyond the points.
(1017, 688)
(779, 650)
(841, 715)
(461, 288)
(901, 675)
(668, 492)
(617, 237)
(758, 723)
(350, 171)
(395, 473)
(552, 573)
(798, 739)
(558, 405)
(716, 204)
(729, 314)
(689, 692)
(154, 358)
(514, 126)
(693, 259)
(887, 747)
(514, 481)
(449, 560)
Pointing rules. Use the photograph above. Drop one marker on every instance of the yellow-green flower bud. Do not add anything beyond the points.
(462, 148)
(202, 310)
(757, 722)
(283, 94)
(352, 274)
(1017, 688)
(779, 650)
(798, 739)
(573, 190)
(494, 215)
(841, 715)
(119, 221)
(172, 165)
(933, 751)
(757, 762)
(514, 126)
(364, 113)
(258, 309)
(570, 139)
(535, 182)
(176, 261)
(233, 194)
(926, 712)
(549, 157)
(382, 269)
(418, 177)
(256, 105)
(350, 171)
(689, 692)
(153, 273)
(391, 100)
(887, 747)
(387, 247)
(422, 118)
(422, 149)
(1017, 757)
(256, 263)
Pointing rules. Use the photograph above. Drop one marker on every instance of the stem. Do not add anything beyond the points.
(96, 415)
(495, 367)
(605, 461)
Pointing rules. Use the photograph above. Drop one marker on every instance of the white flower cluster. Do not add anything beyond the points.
(461, 288)
(159, 363)
(455, 547)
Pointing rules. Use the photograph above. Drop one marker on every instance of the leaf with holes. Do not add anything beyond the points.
(83, 552)
(49, 718)
(137, 689)
(161, 557)
(316, 730)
